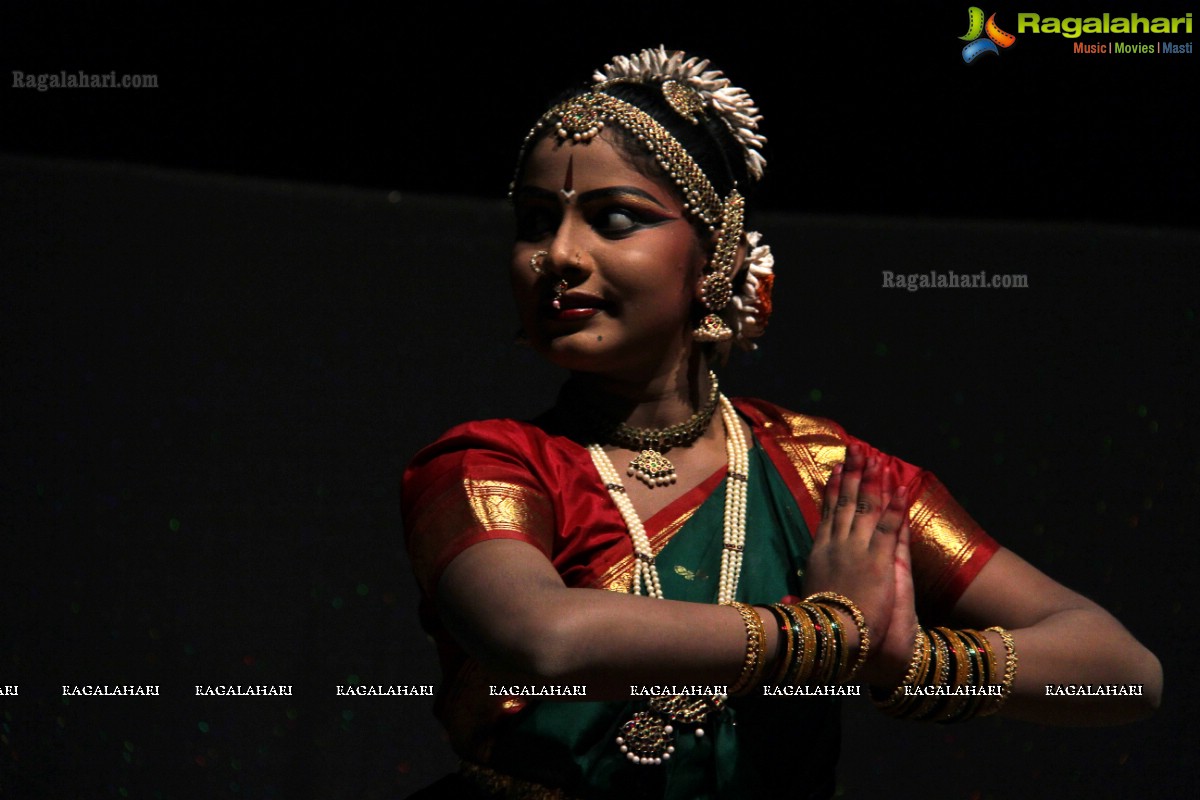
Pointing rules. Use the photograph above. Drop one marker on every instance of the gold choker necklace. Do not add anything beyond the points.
(651, 465)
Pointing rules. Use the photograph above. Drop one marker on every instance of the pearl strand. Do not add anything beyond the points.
(643, 554)
(645, 574)
(736, 486)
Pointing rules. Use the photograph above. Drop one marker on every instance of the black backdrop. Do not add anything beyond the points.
(216, 365)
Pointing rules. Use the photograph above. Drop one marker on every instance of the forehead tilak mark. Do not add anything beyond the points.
(568, 190)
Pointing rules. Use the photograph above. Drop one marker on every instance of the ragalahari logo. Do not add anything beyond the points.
(976, 27)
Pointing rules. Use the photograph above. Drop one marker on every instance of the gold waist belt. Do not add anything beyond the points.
(506, 786)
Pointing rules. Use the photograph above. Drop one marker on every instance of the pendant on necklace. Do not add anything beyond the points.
(652, 468)
(648, 738)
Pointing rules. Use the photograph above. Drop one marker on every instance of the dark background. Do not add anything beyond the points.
(232, 307)
(870, 109)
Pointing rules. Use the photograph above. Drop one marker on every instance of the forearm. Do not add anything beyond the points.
(611, 641)
(1062, 638)
(522, 623)
(1080, 647)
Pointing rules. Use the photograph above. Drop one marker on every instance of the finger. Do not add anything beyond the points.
(868, 506)
(889, 486)
(887, 526)
(832, 487)
(903, 545)
(843, 513)
(905, 594)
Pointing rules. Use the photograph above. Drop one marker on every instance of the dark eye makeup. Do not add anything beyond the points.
(616, 220)
(613, 213)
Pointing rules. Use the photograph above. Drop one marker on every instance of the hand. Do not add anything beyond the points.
(860, 550)
(890, 656)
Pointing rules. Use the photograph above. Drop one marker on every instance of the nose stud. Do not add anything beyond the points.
(535, 262)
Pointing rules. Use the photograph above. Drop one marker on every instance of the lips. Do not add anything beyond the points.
(579, 300)
(575, 306)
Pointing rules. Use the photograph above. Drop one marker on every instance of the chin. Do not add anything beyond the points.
(584, 353)
(577, 353)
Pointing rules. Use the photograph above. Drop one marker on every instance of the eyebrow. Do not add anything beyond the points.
(617, 191)
(595, 194)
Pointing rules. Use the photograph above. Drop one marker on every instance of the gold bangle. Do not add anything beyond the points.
(864, 634)
(787, 647)
(992, 703)
(971, 654)
(804, 657)
(925, 676)
(928, 707)
(837, 641)
(955, 659)
(908, 705)
(814, 645)
(960, 659)
(826, 644)
(756, 649)
(942, 653)
(959, 707)
(918, 667)
(1010, 667)
(982, 671)
(993, 671)
(953, 704)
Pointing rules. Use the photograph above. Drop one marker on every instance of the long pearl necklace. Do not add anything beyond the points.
(645, 575)
(647, 737)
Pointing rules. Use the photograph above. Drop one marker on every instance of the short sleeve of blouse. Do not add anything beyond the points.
(948, 547)
(473, 484)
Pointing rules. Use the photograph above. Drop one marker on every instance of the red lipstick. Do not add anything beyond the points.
(575, 306)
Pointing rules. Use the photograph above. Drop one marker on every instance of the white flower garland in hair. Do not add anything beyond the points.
(750, 316)
(732, 103)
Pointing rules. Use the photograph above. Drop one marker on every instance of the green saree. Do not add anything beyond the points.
(751, 748)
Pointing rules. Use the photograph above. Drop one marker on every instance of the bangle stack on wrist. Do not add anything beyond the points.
(812, 647)
(952, 677)
(860, 622)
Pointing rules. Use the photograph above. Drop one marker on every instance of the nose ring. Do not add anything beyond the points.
(560, 289)
(535, 262)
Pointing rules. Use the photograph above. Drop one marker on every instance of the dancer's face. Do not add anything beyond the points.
(622, 243)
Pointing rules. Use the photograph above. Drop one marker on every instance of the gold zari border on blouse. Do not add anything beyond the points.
(814, 448)
(467, 509)
(503, 506)
(944, 538)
